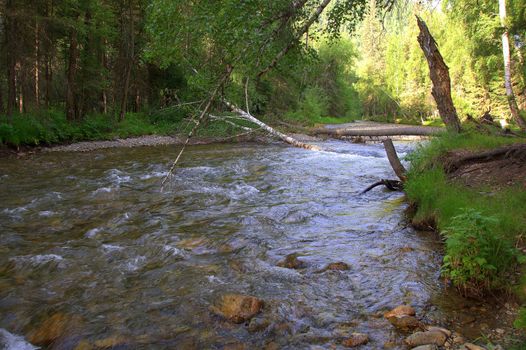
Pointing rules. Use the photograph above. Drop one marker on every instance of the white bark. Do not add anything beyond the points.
(507, 68)
(288, 139)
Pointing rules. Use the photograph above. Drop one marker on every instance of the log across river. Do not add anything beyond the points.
(89, 240)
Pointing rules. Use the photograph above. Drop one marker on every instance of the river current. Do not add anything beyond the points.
(92, 236)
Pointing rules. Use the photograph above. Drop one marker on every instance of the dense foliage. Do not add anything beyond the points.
(302, 60)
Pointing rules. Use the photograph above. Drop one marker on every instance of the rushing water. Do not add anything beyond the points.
(90, 235)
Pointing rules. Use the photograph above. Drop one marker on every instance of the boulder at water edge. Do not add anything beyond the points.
(426, 338)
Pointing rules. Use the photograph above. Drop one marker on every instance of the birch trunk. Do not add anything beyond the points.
(514, 109)
(288, 139)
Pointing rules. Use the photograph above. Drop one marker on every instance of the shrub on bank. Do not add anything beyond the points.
(480, 226)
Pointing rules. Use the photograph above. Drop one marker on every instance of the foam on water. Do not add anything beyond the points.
(9, 341)
(92, 233)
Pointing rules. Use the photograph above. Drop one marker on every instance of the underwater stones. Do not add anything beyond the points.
(258, 324)
(405, 323)
(469, 346)
(50, 330)
(399, 311)
(426, 347)
(403, 318)
(291, 261)
(356, 339)
(237, 308)
(426, 338)
(337, 266)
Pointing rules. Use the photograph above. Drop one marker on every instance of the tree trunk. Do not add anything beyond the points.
(130, 58)
(37, 65)
(286, 138)
(439, 74)
(507, 69)
(392, 156)
(10, 32)
(71, 93)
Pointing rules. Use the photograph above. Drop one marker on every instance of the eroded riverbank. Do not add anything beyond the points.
(89, 236)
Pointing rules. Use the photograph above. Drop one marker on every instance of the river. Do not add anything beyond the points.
(92, 237)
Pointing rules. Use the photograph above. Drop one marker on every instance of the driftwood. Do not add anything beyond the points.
(516, 151)
(395, 130)
(439, 74)
(398, 168)
(392, 156)
(393, 185)
(288, 139)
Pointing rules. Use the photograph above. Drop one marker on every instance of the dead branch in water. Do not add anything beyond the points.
(398, 168)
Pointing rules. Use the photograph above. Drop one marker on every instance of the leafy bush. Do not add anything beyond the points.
(477, 258)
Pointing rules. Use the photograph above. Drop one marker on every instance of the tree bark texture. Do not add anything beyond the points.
(71, 93)
(11, 47)
(439, 74)
(392, 156)
(514, 109)
(129, 53)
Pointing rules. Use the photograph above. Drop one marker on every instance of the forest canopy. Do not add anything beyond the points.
(301, 60)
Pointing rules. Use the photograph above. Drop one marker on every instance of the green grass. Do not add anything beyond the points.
(480, 227)
(50, 127)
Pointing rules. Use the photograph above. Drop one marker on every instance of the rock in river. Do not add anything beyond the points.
(399, 311)
(403, 318)
(405, 323)
(237, 308)
(337, 266)
(356, 339)
(51, 329)
(426, 338)
(291, 261)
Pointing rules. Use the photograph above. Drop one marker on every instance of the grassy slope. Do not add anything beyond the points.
(480, 227)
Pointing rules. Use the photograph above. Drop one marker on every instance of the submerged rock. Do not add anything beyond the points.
(439, 329)
(111, 342)
(291, 261)
(403, 318)
(51, 329)
(237, 308)
(399, 311)
(426, 347)
(356, 339)
(426, 338)
(258, 324)
(469, 346)
(337, 266)
(405, 323)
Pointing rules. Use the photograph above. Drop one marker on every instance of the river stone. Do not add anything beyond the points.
(426, 347)
(258, 324)
(111, 342)
(356, 339)
(470, 346)
(405, 323)
(50, 330)
(291, 261)
(440, 329)
(399, 311)
(425, 338)
(338, 266)
(84, 345)
(237, 308)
